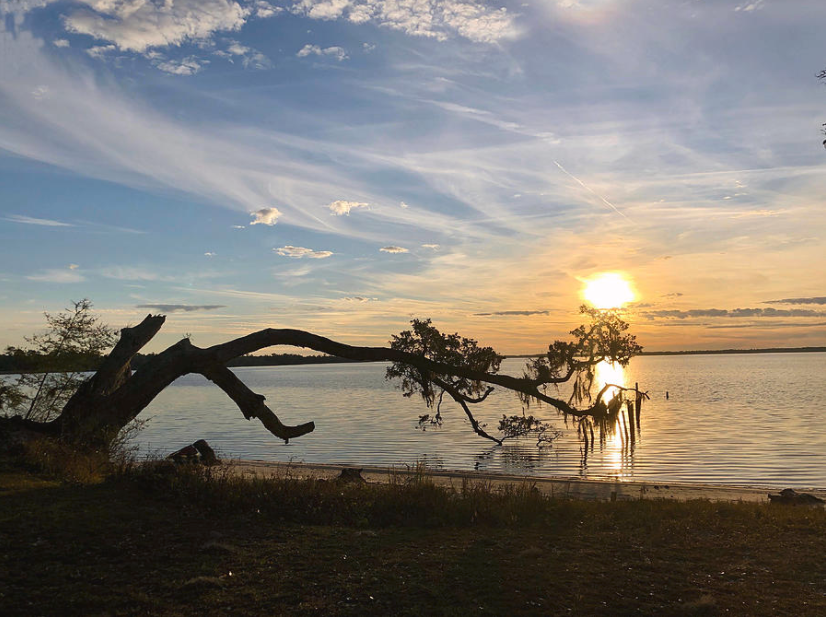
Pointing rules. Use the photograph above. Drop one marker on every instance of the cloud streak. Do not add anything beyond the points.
(180, 308)
(811, 300)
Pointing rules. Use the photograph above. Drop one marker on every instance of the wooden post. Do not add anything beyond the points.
(638, 401)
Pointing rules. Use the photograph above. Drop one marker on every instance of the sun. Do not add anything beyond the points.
(608, 290)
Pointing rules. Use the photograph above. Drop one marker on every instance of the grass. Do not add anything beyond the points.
(171, 542)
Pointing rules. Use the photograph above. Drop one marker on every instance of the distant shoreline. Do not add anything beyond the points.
(296, 360)
(710, 352)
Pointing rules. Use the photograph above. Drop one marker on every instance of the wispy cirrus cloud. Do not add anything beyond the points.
(393, 249)
(512, 313)
(180, 308)
(56, 275)
(30, 220)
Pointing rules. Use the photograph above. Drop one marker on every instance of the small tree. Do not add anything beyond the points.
(604, 339)
(54, 363)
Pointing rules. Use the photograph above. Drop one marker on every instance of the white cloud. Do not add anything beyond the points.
(750, 6)
(209, 254)
(265, 216)
(393, 249)
(298, 252)
(60, 43)
(343, 207)
(367, 47)
(239, 226)
(30, 220)
(251, 58)
(186, 66)
(265, 9)
(403, 205)
(433, 247)
(437, 19)
(99, 51)
(339, 53)
(57, 276)
(73, 266)
(137, 25)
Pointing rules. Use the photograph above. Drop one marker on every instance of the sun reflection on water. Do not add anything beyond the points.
(618, 446)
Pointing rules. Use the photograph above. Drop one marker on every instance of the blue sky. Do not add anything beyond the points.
(344, 165)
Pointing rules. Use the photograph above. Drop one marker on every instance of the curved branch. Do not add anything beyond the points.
(252, 404)
(463, 400)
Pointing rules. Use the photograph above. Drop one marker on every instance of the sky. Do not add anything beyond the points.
(343, 166)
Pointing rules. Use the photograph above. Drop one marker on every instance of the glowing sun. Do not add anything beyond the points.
(608, 290)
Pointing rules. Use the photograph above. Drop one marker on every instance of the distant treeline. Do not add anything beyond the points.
(712, 352)
(30, 362)
(737, 351)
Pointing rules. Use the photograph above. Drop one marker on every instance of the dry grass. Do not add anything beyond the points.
(170, 542)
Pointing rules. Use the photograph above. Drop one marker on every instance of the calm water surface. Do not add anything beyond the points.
(730, 419)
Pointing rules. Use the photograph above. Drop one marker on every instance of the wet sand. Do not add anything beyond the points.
(564, 488)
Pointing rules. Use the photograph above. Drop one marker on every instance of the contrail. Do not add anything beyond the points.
(590, 190)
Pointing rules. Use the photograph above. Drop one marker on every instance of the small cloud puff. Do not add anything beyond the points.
(60, 43)
(265, 9)
(98, 52)
(403, 205)
(339, 53)
(360, 299)
(432, 247)
(343, 207)
(265, 216)
(299, 252)
(186, 66)
(209, 254)
(250, 58)
(393, 249)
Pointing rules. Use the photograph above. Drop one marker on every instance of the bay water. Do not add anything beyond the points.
(740, 419)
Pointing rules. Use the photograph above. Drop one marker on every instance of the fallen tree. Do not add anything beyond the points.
(426, 361)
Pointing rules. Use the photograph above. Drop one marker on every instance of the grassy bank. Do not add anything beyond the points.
(156, 541)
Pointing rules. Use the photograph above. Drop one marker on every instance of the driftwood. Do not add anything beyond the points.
(790, 497)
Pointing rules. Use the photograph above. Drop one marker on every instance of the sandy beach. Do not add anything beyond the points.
(566, 488)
